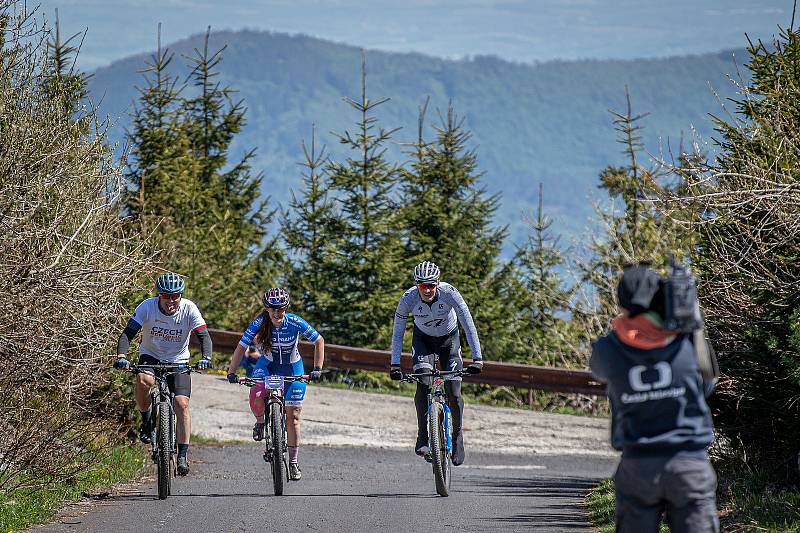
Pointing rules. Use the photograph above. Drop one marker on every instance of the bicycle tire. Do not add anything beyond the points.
(276, 440)
(438, 451)
(164, 451)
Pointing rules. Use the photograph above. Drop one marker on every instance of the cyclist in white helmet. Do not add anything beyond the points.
(437, 309)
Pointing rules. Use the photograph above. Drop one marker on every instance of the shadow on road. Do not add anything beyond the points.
(562, 487)
(563, 516)
(147, 497)
(539, 520)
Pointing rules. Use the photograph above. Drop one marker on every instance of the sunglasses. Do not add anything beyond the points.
(427, 286)
(170, 297)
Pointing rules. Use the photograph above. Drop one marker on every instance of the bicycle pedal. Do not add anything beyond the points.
(428, 457)
(267, 458)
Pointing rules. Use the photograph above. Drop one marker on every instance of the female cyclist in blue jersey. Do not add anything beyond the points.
(275, 334)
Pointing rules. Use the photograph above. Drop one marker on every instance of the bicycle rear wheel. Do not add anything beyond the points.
(164, 451)
(439, 459)
(276, 440)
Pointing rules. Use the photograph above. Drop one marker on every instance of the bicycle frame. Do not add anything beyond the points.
(160, 398)
(440, 429)
(437, 394)
(274, 386)
(161, 395)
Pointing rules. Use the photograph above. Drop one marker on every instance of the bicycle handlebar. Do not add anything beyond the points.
(178, 368)
(444, 373)
(249, 382)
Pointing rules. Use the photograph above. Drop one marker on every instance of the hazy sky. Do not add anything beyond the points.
(518, 30)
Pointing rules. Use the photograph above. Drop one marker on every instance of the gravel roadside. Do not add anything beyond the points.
(335, 417)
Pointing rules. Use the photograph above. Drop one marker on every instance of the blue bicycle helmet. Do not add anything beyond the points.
(170, 283)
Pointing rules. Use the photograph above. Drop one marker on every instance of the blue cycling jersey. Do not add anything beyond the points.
(284, 338)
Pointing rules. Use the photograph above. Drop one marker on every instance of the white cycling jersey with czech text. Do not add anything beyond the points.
(166, 337)
(437, 318)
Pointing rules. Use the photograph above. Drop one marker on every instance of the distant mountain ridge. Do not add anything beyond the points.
(544, 123)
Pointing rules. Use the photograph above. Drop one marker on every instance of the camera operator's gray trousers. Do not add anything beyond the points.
(683, 488)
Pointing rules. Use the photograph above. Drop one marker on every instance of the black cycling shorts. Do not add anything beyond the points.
(446, 348)
(179, 384)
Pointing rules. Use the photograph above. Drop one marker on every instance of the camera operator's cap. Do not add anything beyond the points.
(636, 289)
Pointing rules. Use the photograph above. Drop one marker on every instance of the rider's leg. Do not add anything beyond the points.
(184, 424)
(294, 394)
(141, 391)
(181, 387)
(456, 404)
(422, 361)
(293, 426)
(184, 419)
(293, 438)
(451, 360)
(421, 405)
(258, 393)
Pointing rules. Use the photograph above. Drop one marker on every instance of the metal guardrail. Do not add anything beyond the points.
(494, 373)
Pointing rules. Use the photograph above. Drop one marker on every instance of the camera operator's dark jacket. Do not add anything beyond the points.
(656, 391)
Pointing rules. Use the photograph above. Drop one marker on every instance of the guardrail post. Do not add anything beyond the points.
(530, 397)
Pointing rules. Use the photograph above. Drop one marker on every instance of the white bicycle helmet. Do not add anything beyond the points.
(426, 272)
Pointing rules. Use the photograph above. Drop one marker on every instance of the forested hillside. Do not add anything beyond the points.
(530, 123)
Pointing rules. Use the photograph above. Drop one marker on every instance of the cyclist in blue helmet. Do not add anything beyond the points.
(276, 333)
(166, 321)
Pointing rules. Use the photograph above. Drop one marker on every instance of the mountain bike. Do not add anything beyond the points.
(440, 428)
(163, 435)
(275, 452)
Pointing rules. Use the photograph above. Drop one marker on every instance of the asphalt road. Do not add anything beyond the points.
(351, 489)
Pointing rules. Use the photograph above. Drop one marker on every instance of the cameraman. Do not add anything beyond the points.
(660, 419)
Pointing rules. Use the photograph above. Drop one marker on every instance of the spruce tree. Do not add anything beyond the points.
(158, 160)
(62, 80)
(448, 219)
(749, 253)
(368, 264)
(541, 330)
(310, 233)
(229, 260)
(203, 216)
(634, 230)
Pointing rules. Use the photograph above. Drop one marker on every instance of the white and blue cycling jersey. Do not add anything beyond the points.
(284, 338)
(438, 318)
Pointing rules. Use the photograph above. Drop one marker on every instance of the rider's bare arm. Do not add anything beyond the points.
(319, 352)
(236, 358)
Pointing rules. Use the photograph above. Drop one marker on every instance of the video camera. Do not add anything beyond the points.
(681, 309)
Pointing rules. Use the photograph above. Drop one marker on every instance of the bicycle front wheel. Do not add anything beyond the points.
(438, 451)
(164, 451)
(276, 441)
